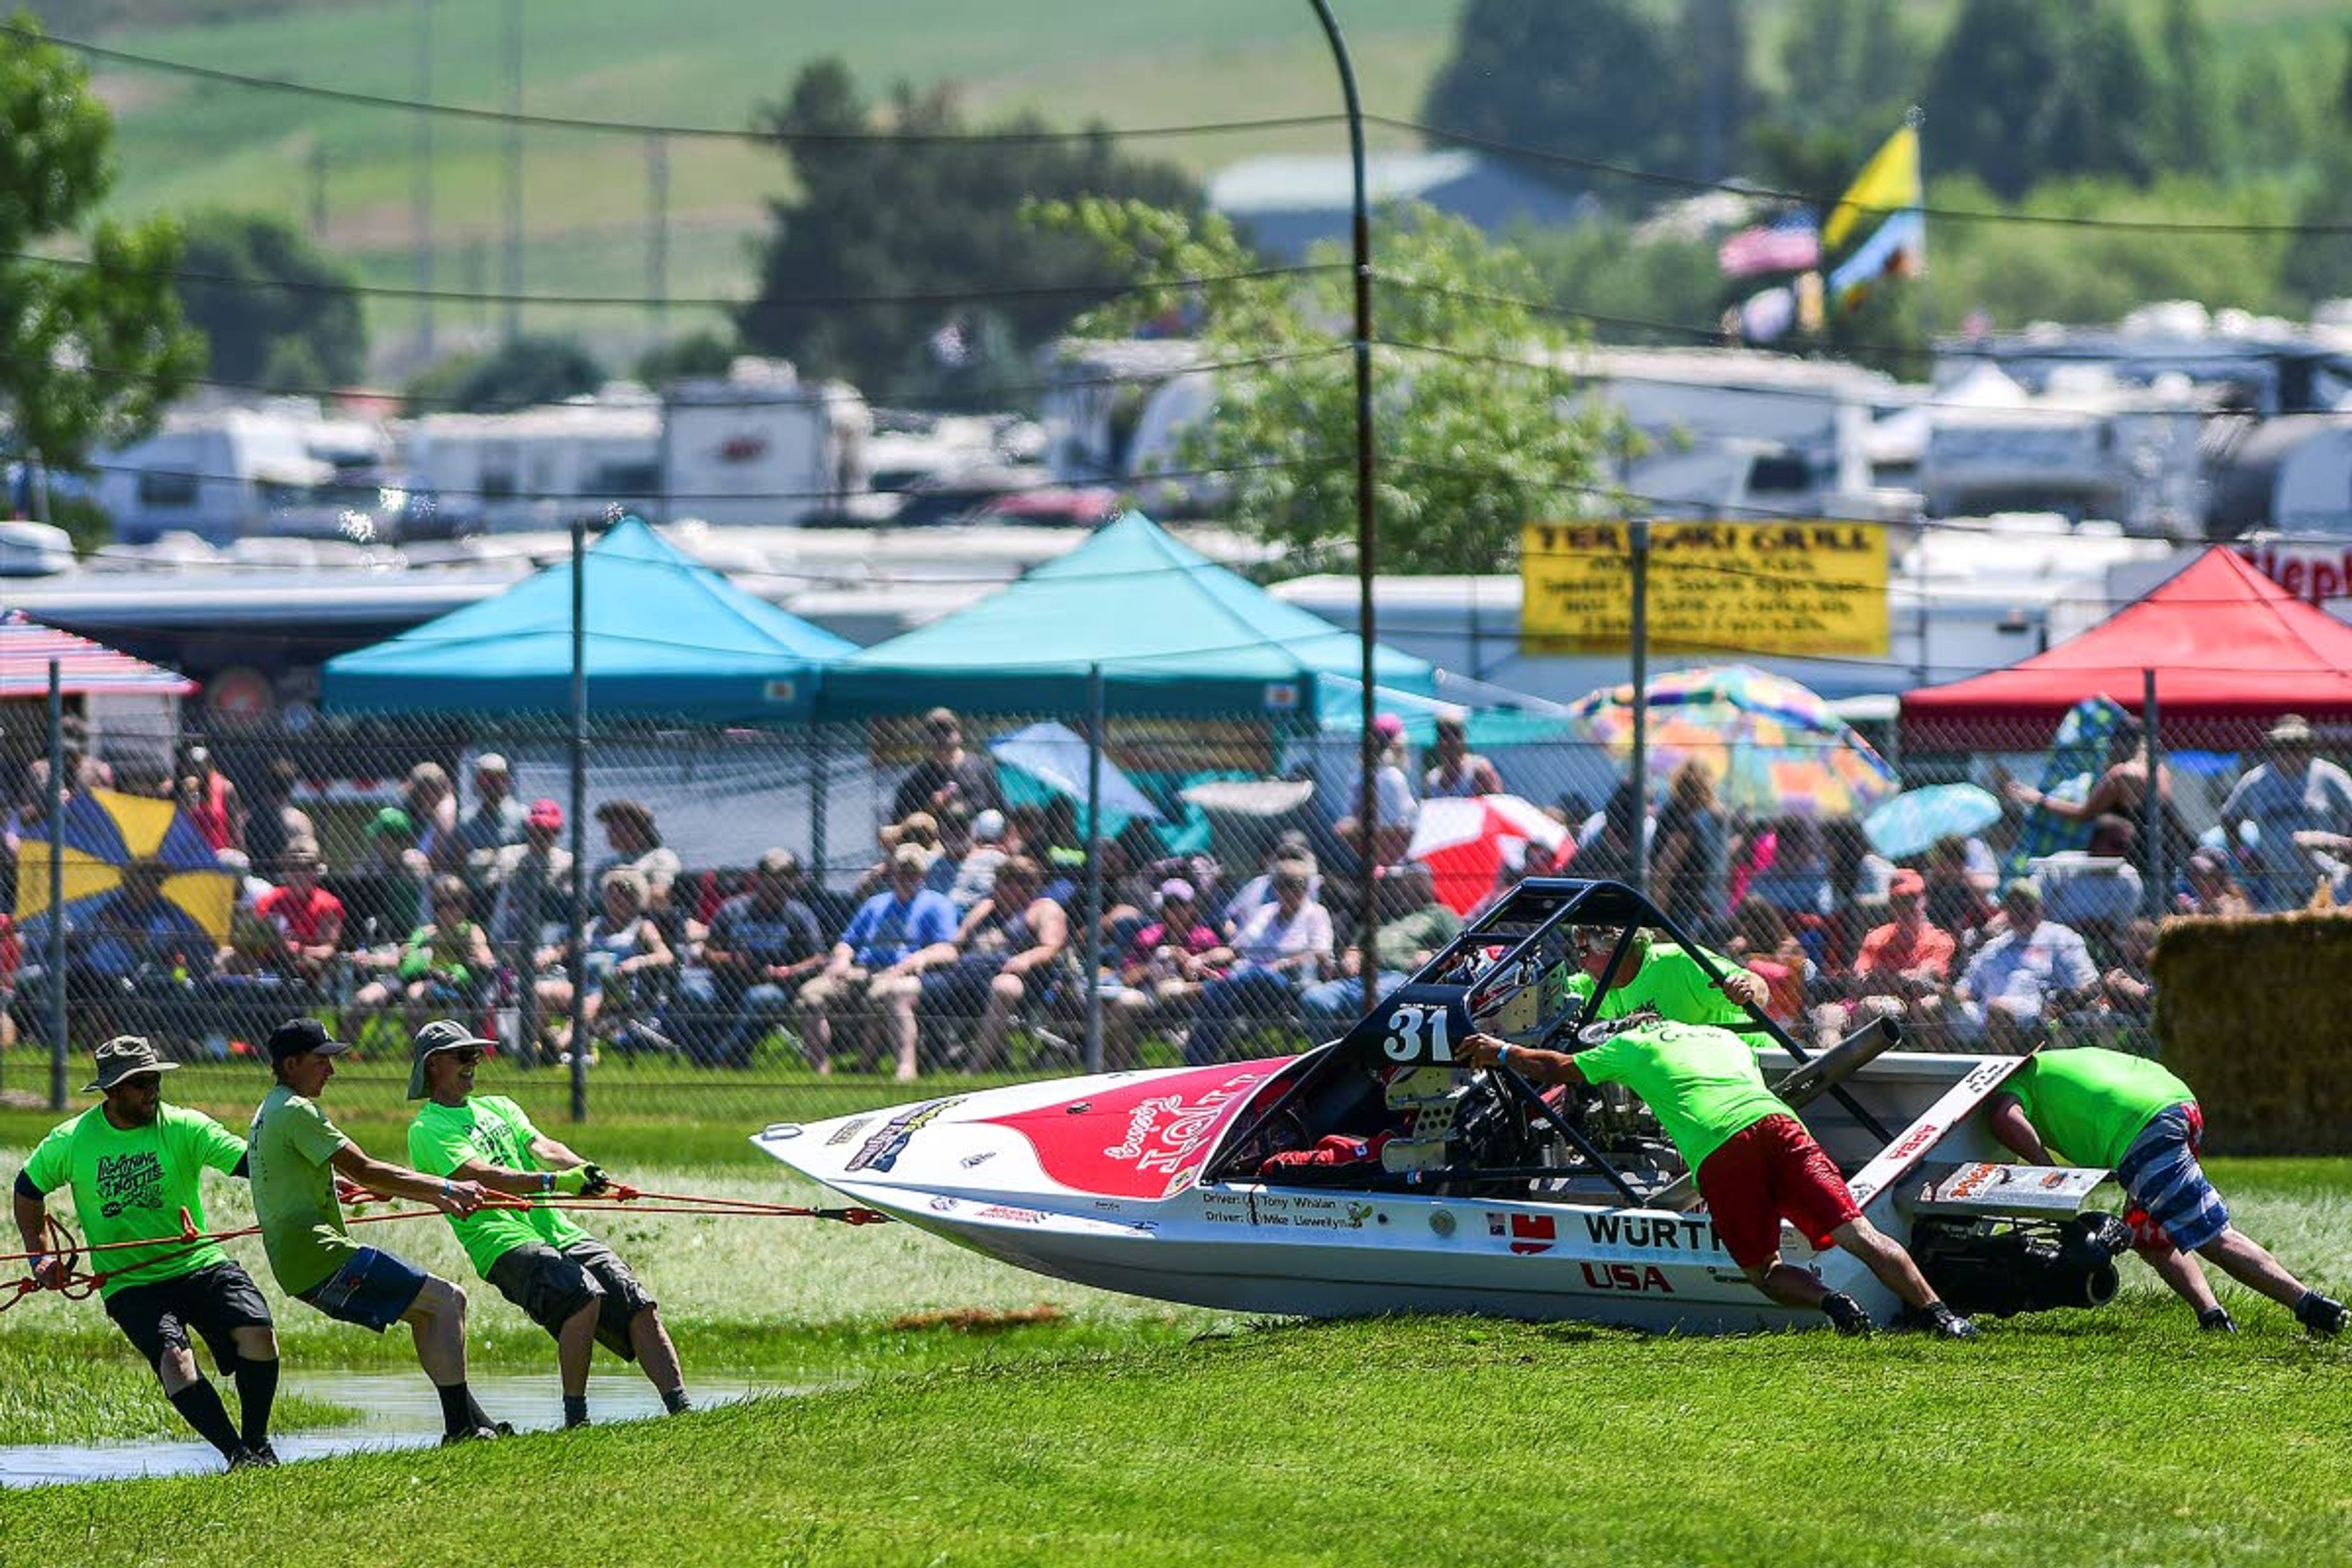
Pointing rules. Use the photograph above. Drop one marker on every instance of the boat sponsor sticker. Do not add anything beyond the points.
(889, 1141)
(1145, 1140)
(1528, 1234)
(1659, 1232)
(1646, 1278)
(847, 1131)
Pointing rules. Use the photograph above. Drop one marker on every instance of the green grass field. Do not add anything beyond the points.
(1119, 1428)
(1436, 1441)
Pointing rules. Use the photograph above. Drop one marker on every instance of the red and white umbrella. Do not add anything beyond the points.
(1466, 842)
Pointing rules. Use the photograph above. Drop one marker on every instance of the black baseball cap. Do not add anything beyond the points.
(296, 1035)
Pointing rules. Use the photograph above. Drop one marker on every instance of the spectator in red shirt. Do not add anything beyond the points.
(1900, 973)
(306, 915)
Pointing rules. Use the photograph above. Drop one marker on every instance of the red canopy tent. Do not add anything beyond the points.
(2231, 651)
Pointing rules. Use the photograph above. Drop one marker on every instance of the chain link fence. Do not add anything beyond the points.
(771, 924)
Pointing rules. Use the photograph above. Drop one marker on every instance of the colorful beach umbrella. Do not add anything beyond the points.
(105, 832)
(1915, 819)
(1773, 747)
(1466, 842)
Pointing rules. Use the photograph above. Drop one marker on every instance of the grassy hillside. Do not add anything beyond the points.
(185, 142)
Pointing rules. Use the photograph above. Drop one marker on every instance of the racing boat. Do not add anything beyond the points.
(1375, 1174)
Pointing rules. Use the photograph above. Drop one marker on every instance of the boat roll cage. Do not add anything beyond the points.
(1540, 921)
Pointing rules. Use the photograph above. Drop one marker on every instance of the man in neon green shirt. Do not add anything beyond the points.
(2096, 1107)
(294, 1155)
(1661, 977)
(565, 1280)
(1753, 1159)
(133, 1164)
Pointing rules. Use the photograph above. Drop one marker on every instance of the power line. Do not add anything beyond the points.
(643, 128)
(1898, 400)
(1522, 152)
(639, 302)
(622, 502)
(1498, 146)
(817, 393)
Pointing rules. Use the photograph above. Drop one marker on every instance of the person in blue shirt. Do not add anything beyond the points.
(879, 960)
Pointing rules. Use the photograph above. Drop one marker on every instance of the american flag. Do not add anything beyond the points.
(1791, 244)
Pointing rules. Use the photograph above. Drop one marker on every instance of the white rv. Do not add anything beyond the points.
(218, 473)
(540, 468)
(761, 446)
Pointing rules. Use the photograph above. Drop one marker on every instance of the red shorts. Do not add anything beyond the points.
(1765, 1174)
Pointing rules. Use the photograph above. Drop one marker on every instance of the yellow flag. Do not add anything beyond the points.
(1888, 183)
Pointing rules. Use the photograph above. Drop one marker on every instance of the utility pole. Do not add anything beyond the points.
(657, 231)
(319, 193)
(422, 194)
(511, 282)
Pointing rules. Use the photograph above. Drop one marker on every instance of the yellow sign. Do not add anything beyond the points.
(1817, 588)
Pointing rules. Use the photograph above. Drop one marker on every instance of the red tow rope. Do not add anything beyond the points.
(68, 1249)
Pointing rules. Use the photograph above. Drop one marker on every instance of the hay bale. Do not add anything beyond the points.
(2247, 1013)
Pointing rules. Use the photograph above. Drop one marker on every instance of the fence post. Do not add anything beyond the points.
(579, 819)
(1638, 534)
(1094, 866)
(820, 776)
(2152, 804)
(58, 1020)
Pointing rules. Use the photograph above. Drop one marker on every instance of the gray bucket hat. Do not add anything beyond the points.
(125, 1056)
(441, 1035)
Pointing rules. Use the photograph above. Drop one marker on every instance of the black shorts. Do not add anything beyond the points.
(214, 1302)
(551, 1286)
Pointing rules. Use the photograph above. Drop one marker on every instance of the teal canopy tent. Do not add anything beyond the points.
(665, 635)
(1173, 632)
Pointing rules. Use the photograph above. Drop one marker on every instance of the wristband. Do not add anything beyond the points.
(448, 1189)
(547, 1181)
(1503, 1054)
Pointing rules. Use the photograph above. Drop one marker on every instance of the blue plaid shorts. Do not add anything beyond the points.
(2172, 1204)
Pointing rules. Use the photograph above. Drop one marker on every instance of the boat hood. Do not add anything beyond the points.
(1131, 1135)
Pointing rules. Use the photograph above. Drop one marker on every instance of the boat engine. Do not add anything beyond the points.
(2006, 1267)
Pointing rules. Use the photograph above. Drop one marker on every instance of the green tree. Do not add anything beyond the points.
(1847, 66)
(517, 375)
(921, 209)
(1718, 86)
(2189, 126)
(2313, 267)
(701, 354)
(2270, 114)
(90, 354)
(1620, 283)
(1480, 427)
(1596, 79)
(2022, 92)
(285, 316)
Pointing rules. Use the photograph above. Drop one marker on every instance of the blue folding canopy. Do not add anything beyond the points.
(665, 636)
(1172, 632)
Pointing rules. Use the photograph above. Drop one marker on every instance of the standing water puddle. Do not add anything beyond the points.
(399, 1410)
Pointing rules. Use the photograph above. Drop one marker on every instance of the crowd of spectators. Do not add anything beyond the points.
(969, 930)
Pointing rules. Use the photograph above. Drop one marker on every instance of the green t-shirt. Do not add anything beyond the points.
(1671, 981)
(1702, 1082)
(492, 1129)
(294, 1191)
(2089, 1104)
(132, 1185)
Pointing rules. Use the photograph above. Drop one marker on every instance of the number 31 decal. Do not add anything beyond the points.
(1418, 1034)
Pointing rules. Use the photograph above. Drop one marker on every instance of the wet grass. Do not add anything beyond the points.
(59, 1389)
